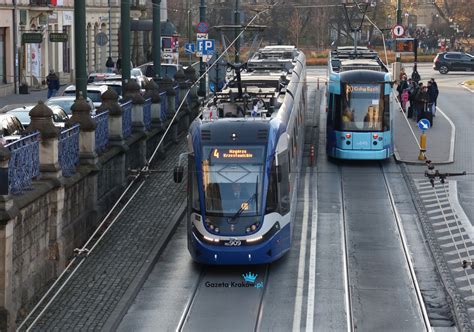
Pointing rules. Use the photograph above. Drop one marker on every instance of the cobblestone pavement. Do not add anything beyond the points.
(94, 291)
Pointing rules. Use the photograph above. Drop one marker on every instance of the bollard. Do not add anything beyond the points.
(311, 155)
(318, 83)
(422, 156)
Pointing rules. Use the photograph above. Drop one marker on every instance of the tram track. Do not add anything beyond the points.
(228, 286)
(374, 254)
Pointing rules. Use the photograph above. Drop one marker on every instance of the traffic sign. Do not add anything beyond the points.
(202, 27)
(424, 124)
(189, 48)
(206, 46)
(398, 30)
(201, 36)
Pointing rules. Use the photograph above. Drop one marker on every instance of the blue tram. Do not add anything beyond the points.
(359, 105)
(244, 155)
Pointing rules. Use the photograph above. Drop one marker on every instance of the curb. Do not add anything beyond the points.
(115, 318)
(418, 162)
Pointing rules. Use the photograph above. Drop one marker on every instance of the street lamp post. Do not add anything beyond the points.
(80, 44)
(125, 49)
(156, 50)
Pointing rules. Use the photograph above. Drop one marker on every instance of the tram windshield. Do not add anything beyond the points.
(232, 179)
(362, 107)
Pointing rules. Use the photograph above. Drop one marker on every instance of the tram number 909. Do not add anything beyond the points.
(233, 243)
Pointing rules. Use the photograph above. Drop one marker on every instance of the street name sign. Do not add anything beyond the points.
(58, 37)
(31, 38)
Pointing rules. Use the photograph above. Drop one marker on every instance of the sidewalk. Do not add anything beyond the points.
(440, 139)
(32, 97)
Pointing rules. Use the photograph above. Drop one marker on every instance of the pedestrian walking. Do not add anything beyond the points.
(436, 94)
(118, 65)
(412, 91)
(109, 64)
(433, 94)
(52, 80)
(402, 86)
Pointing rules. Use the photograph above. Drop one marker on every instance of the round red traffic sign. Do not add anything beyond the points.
(202, 27)
(398, 30)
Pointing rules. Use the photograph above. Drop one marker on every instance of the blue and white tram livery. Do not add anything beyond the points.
(243, 159)
(359, 102)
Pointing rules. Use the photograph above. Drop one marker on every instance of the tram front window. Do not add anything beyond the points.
(232, 180)
(362, 107)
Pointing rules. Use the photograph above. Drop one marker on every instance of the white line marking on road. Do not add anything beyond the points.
(449, 237)
(453, 198)
(302, 259)
(441, 203)
(312, 257)
(453, 134)
(435, 211)
(454, 244)
(451, 223)
(442, 216)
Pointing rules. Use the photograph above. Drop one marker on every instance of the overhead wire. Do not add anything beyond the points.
(135, 178)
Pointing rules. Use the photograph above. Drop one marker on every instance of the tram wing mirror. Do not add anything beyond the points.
(178, 173)
(278, 172)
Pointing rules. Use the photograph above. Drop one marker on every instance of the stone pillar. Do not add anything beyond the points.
(191, 77)
(42, 121)
(132, 92)
(4, 158)
(180, 78)
(109, 103)
(152, 91)
(167, 86)
(81, 114)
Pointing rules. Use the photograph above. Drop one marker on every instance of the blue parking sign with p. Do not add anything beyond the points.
(206, 46)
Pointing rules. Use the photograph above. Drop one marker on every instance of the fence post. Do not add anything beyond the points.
(42, 121)
(166, 85)
(152, 91)
(109, 102)
(4, 158)
(132, 92)
(81, 114)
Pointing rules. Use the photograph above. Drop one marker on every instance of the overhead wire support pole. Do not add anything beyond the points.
(202, 69)
(80, 45)
(125, 42)
(237, 28)
(156, 35)
(399, 22)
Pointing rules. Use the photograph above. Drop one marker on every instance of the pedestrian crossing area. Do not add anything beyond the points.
(454, 233)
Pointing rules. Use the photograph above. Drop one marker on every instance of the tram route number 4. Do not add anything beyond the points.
(424, 124)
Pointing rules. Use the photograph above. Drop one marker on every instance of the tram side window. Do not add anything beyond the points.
(193, 181)
(284, 192)
(272, 195)
(386, 113)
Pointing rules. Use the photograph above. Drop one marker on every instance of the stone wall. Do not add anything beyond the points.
(40, 229)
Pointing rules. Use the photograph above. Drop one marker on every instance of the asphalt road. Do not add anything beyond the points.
(308, 287)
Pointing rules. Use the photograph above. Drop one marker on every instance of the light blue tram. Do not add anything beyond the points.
(244, 155)
(359, 105)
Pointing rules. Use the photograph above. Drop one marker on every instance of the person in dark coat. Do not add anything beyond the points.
(422, 99)
(109, 64)
(435, 87)
(433, 94)
(52, 80)
(118, 65)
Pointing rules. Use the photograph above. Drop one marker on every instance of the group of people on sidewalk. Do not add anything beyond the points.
(417, 99)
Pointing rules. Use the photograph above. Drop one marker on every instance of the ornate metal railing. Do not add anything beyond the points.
(163, 106)
(127, 119)
(188, 98)
(101, 131)
(176, 98)
(69, 150)
(147, 114)
(24, 163)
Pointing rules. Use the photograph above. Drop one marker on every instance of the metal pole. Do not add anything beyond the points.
(80, 45)
(125, 37)
(202, 68)
(156, 34)
(16, 66)
(237, 31)
(189, 31)
(110, 29)
(399, 22)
